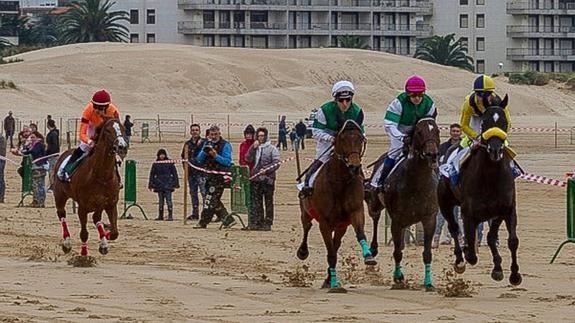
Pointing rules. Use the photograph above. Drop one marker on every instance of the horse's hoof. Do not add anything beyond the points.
(103, 251)
(325, 284)
(430, 288)
(497, 275)
(398, 280)
(374, 251)
(302, 253)
(66, 245)
(370, 261)
(471, 259)
(459, 268)
(337, 290)
(515, 279)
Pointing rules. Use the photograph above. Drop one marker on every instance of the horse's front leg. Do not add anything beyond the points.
(374, 208)
(331, 281)
(358, 223)
(470, 228)
(492, 237)
(66, 241)
(83, 216)
(513, 243)
(97, 218)
(397, 233)
(428, 231)
(113, 218)
(303, 251)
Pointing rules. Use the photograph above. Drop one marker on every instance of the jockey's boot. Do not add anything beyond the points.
(515, 169)
(388, 164)
(76, 154)
(306, 189)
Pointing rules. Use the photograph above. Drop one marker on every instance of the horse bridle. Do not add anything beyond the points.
(345, 157)
(118, 140)
(420, 153)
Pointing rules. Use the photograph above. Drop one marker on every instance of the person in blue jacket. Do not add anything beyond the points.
(164, 180)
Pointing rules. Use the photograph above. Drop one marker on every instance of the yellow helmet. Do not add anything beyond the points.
(483, 83)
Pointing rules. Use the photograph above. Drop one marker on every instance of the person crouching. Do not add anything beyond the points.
(163, 180)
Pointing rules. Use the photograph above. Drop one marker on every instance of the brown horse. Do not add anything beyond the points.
(337, 200)
(410, 196)
(486, 192)
(94, 186)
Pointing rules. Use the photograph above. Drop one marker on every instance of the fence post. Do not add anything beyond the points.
(570, 225)
(186, 157)
(26, 173)
(159, 130)
(555, 134)
(229, 138)
(145, 132)
(130, 190)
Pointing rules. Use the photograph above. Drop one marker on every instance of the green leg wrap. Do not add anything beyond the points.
(427, 278)
(397, 272)
(365, 252)
(333, 283)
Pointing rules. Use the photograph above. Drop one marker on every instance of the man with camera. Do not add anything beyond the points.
(216, 155)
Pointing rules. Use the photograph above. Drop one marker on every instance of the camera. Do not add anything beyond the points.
(208, 147)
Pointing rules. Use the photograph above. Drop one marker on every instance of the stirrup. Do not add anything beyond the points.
(305, 192)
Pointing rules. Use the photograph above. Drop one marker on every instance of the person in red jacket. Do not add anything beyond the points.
(249, 138)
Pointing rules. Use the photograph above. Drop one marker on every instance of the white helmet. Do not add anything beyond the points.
(343, 89)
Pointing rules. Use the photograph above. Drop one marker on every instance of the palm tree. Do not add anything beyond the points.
(352, 42)
(92, 21)
(445, 51)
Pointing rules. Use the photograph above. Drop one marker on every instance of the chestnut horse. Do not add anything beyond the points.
(410, 196)
(337, 200)
(486, 192)
(94, 186)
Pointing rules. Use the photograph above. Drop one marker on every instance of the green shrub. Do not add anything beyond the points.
(540, 79)
(506, 74)
(560, 77)
(571, 83)
(517, 78)
(7, 85)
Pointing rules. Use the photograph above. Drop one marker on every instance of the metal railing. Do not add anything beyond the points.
(540, 29)
(318, 3)
(522, 52)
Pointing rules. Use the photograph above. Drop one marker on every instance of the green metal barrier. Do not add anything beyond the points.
(145, 132)
(570, 217)
(131, 190)
(26, 178)
(241, 197)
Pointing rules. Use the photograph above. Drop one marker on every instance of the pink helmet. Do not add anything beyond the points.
(415, 83)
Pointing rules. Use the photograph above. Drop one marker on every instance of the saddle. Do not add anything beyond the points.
(66, 170)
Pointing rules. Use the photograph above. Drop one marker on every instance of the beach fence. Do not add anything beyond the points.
(131, 190)
(570, 219)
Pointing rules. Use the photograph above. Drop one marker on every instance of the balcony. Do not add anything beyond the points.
(233, 4)
(10, 7)
(527, 7)
(225, 28)
(541, 54)
(533, 31)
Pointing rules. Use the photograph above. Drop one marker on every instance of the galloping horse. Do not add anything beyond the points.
(486, 192)
(337, 200)
(94, 186)
(410, 196)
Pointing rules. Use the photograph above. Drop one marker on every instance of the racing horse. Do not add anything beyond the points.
(410, 196)
(94, 186)
(486, 191)
(337, 201)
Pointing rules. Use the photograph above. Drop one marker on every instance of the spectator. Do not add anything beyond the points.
(35, 150)
(9, 128)
(2, 165)
(249, 139)
(282, 133)
(265, 158)
(216, 155)
(128, 127)
(454, 139)
(163, 180)
(196, 179)
(33, 127)
(293, 139)
(22, 138)
(52, 148)
(300, 130)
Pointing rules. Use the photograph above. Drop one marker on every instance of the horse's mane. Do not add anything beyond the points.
(98, 130)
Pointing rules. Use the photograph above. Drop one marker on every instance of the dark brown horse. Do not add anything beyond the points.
(410, 196)
(486, 192)
(94, 186)
(337, 200)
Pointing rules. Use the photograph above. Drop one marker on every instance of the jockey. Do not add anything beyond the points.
(400, 119)
(100, 106)
(473, 107)
(328, 121)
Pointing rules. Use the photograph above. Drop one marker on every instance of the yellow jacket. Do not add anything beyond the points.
(470, 121)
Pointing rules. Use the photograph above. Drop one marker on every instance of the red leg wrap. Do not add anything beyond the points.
(84, 249)
(65, 232)
(101, 231)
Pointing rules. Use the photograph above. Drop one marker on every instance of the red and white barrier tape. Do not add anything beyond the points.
(9, 160)
(543, 180)
(226, 175)
(264, 170)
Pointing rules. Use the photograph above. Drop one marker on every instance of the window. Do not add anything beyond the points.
(480, 44)
(480, 67)
(463, 2)
(150, 38)
(480, 21)
(480, 2)
(463, 21)
(134, 18)
(464, 42)
(151, 16)
(134, 38)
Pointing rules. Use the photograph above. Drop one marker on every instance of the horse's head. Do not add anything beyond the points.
(494, 125)
(425, 141)
(349, 145)
(111, 134)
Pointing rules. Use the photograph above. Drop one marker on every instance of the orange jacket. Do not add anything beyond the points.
(90, 118)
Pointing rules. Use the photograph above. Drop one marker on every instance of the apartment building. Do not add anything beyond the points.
(8, 11)
(153, 20)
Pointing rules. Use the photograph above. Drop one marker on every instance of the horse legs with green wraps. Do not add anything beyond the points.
(428, 231)
(397, 234)
(332, 245)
